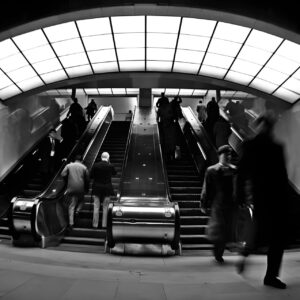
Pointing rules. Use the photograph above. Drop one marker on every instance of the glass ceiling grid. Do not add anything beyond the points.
(91, 66)
(205, 52)
(43, 30)
(145, 69)
(178, 35)
(243, 44)
(113, 37)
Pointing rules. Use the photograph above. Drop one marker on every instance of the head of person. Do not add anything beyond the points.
(224, 153)
(92, 100)
(264, 124)
(75, 100)
(78, 157)
(105, 156)
(213, 99)
(162, 94)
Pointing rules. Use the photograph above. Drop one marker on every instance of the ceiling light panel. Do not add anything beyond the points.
(130, 40)
(30, 40)
(286, 95)
(263, 85)
(68, 47)
(163, 66)
(64, 92)
(231, 32)
(79, 71)
(119, 91)
(4, 80)
(272, 76)
(105, 91)
(9, 91)
(30, 83)
(102, 56)
(105, 67)
(239, 78)
(132, 66)
(131, 54)
(254, 54)
(289, 50)
(61, 32)
(282, 64)
(246, 67)
(132, 91)
(189, 56)
(91, 91)
(80, 92)
(293, 85)
(181, 67)
(47, 66)
(39, 54)
(224, 47)
(198, 27)
(21, 74)
(8, 48)
(156, 91)
(186, 92)
(219, 61)
(98, 42)
(241, 94)
(54, 76)
(163, 24)
(95, 26)
(161, 40)
(212, 71)
(198, 92)
(128, 24)
(263, 40)
(13, 62)
(74, 60)
(160, 54)
(191, 42)
(173, 92)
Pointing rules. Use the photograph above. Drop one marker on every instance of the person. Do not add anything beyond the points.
(77, 177)
(49, 154)
(213, 114)
(76, 114)
(68, 134)
(218, 195)
(128, 116)
(221, 132)
(262, 170)
(162, 100)
(102, 173)
(201, 110)
(91, 109)
(231, 108)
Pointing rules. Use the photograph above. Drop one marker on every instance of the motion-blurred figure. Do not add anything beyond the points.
(201, 110)
(91, 109)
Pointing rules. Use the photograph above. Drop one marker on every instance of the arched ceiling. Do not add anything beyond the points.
(203, 47)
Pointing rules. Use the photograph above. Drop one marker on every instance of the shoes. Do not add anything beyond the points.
(219, 260)
(274, 282)
(70, 228)
(240, 266)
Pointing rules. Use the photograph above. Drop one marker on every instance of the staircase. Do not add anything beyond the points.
(184, 186)
(83, 234)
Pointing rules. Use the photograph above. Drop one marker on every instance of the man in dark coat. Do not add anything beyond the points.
(217, 194)
(262, 167)
(102, 173)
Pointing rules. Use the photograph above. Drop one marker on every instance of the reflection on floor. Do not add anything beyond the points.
(33, 273)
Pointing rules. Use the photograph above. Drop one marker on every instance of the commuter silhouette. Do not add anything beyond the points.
(213, 113)
(262, 170)
(68, 133)
(128, 116)
(102, 173)
(76, 114)
(217, 194)
(177, 114)
(162, 100)
(91, 109)
(201, 110)
(77, 178)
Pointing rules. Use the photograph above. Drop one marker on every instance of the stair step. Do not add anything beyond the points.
(83, 240)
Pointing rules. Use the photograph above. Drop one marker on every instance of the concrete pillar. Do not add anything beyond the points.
(145, 98)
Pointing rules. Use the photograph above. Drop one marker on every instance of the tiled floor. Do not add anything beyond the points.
(33, 273)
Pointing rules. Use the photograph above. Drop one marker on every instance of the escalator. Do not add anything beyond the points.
(115, 144)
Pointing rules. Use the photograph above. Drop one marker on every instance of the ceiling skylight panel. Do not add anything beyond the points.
(282, 64)
(30, 83)
(230, 32)
(105, 67)
(163, 66)
(192, 42)
(292, 84)
(286, 95)
(199, 27)
(186, 67)
(132, 65)
(198, 92)
(102, 56)
(21, 74)
(119, 91)
(79, 71)
(160, 54)
(254, 54)
(272, 76)
(68, 47)
(289, 50)
(297, 74)
(161, 40)
(130, 40)
(132, 91)
(186, 92)
(128, 24)
(4, 80)
(243, 66)
(105, 91)
(224, 47)
(163, 24)
(91, 91)
(98, 42)
(61, 32)
(13, 62)
(74, 60)
(54, 76)
(96, 26)
(263, 40)
(172, 92)
(47, 66)
(39, 54)
(7, 48)
(216, 60)
(131, 54)
(263, 85)
(212, 71)
(238, 78)
(189, 56)
(9, 91)
(30, 40)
